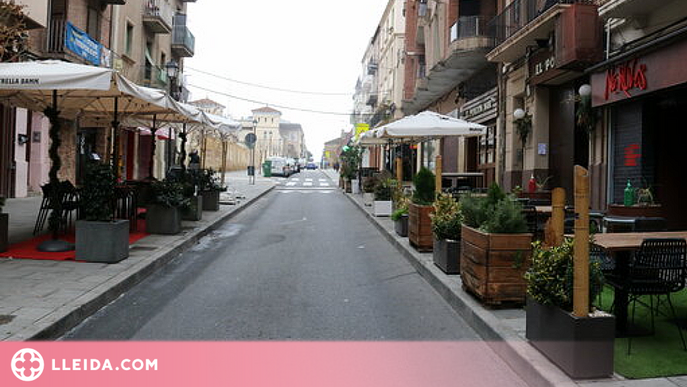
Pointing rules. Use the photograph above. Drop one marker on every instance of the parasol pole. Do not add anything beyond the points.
(55, 219)
(581, 246)
(115, 139)
(152, 149)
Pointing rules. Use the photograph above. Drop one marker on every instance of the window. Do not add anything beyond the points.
(129, 38)
(487, 146)
(94, 20)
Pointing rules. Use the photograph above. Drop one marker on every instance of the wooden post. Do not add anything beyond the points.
(581, 246)
(557, 216)
(399, 170)
(437, 177)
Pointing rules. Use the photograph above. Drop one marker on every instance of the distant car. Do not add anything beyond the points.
(280, 167)
(311, 166)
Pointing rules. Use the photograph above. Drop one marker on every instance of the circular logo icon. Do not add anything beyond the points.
(27, 364)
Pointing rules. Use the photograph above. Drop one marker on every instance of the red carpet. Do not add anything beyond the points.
(27, 249)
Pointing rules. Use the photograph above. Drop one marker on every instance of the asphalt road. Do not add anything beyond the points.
(300, 264)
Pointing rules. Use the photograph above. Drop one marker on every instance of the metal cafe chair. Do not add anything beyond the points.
(606, 264)
(656, 269)
(67, 194)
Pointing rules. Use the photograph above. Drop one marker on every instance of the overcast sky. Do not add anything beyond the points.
(308, 45)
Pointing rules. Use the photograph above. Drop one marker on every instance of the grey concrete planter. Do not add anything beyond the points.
(163, 220)
(210, 200)
(4, 231)
(446, 255)
(194, 211)
(401, 226)
(582, 347)
(106, 242)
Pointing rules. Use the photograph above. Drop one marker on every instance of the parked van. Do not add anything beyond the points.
(280, 167)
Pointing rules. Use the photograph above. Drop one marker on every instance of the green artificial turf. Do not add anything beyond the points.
(660, 354)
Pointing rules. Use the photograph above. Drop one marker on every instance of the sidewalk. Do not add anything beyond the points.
(44, 299)
(502, 329)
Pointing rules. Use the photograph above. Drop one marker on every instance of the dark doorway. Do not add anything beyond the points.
(665, 135)
(7, 167)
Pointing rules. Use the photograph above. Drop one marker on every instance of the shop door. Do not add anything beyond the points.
(7, 169)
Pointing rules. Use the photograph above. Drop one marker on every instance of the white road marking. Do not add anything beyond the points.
(291, 184)
(324, 185)
(307, 184)
(308, 179)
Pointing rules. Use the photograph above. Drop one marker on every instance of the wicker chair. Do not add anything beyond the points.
(657, 269)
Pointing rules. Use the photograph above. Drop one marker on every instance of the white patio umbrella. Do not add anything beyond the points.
(70, 90)
(429, 125)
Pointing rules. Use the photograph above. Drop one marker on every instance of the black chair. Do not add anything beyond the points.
(67, 195)
(657, 269)
(606, 264)
(531, 217)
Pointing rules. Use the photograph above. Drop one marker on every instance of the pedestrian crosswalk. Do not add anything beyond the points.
(296, 182)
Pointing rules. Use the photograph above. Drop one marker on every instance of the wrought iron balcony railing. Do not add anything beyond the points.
(519, 13)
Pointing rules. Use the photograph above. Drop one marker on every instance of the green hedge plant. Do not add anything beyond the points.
(98, 193)
(550, 276)
(425, 186)
(169, 194)
(496, 213)
(383, 189)
(446, 218)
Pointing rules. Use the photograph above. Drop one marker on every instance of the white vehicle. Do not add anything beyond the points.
(280, 167)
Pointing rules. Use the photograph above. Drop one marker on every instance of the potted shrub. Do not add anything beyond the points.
(163, 213)
(100, 237)
(446, 223)
(382, 202)
(209, 189)
(495, 247)
(368, 190)
(194, 210)
(582, 347)
(4, 226)
(400, 216)
(350, 162)
(419, 223)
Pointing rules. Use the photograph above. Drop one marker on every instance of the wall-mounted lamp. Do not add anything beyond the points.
(518, 114)
(585, 90)
(22, 139)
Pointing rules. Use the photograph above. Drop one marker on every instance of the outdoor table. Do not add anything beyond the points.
(620, 246)
(455, 176)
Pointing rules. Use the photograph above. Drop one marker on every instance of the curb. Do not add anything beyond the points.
(83, 307)
(524, 359)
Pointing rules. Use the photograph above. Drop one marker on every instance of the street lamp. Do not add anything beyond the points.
(172, 68)
(519, 114)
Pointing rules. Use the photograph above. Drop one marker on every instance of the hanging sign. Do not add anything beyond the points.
(81, 44)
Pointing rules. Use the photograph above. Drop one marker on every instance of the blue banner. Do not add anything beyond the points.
(82, 45)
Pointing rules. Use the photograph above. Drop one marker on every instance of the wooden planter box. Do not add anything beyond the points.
(401, 226)
(636, 211)
(4, 231)
(492, 265)
(106, 242)
(420, 232)
(446, 255)
(582, 347)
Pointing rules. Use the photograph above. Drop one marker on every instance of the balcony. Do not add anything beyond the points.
(372, 99)
(470, 41)
(630, 8)
(157, 16)
(183, 41)
(525, 23)
(154, 76)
